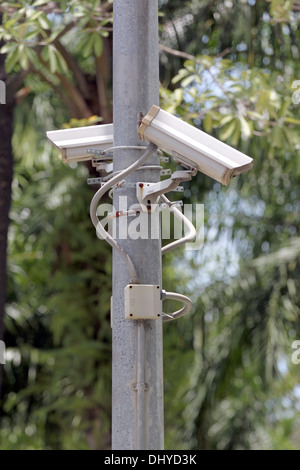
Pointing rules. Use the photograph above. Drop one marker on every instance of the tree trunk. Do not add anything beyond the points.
(6, 171)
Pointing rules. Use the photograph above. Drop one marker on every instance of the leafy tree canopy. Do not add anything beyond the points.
(230, 68)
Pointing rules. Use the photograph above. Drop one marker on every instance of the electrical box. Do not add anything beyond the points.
(142, 302)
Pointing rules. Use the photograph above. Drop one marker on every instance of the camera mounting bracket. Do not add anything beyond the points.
(148, 193)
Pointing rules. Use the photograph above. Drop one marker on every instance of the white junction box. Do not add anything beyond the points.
(142, 302)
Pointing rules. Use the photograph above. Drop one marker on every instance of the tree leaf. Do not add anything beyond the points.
(208, 122)
(245, 128)
(87, 46)
(235, 138)
(52, 59)
(11, 60)
(44, 22)
(227, 130)
(98, 44)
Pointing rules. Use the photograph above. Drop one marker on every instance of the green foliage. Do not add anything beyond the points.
(241, 103)
(281, 11)
(57, 320)
(28, 25)
(229, 379)
(91, 121)
(242, 390)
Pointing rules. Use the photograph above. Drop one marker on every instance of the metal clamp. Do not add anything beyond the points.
(148, 193)
(164, 205)
(94, 180)
(140, 386)
(108, 168)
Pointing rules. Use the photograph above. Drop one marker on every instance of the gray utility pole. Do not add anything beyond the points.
(137, 390)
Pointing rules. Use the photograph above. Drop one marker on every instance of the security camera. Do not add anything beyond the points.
(74, 143)
(191, 147)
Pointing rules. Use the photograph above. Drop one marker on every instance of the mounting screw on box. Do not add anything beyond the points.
(142, 302)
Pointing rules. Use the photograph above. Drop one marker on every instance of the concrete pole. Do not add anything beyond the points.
(135, 90)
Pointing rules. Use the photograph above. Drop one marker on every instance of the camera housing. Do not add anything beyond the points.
(192, 147)
(73, 144)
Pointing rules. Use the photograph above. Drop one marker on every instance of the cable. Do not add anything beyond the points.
(144, 167)
(190, 237)
(141, 386)
(95, 201)
(141, 340)
(179, 313)
(120, 175)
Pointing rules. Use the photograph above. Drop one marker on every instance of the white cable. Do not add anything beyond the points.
(179, 313)
(190, 237)
(124, 147)
(144, 167)
(95, 201)
(132, 271)
(141, 385)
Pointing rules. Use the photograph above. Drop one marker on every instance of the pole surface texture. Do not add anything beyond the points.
(137, 414)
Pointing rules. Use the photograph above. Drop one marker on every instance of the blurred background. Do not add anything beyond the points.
(232, 367)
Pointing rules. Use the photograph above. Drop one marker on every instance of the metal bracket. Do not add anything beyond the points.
(148, 193)
(100, 159)
(103, 154)
(103, 166)
(164, 205)
(165, 172)
(94, 180)
(99, 180)
(140, 386)
(134, 210)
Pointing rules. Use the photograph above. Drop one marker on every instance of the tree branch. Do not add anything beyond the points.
(68, 102)
(81, 106)
(14, 82)
(67, 28)
(78, 103)
(78, 75)
(184, 55)
(6, 175)
(102, 79)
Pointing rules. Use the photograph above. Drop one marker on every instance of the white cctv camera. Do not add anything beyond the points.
(74, 143)
(191, 147)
